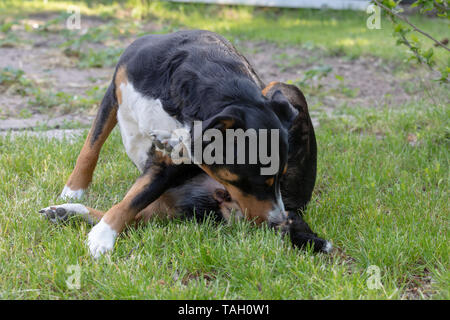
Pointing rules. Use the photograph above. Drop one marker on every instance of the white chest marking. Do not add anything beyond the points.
(139, 118)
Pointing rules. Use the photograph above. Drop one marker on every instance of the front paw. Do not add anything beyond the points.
(61, 213)
(101, 239)
(68, 193)
(165, 141)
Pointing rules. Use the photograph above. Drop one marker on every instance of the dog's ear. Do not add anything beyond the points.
(221, 195)
(229, 118)
(283, 109)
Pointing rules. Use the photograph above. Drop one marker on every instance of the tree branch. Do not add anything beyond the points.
(440, 6)
(413, 50)
(413, 26)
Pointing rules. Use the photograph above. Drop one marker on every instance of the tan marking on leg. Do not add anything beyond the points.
(81, 175)
(123, 213)
(97, 215)
(162, 207)
(121, 77)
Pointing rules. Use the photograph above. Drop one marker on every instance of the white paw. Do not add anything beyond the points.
(68, 193)
(161, 135)
(165, 140)
(61, 213)
(101, 239)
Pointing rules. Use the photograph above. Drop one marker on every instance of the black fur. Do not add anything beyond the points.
(193, 78)
(198, 75)
(108, 104)
(195, 199)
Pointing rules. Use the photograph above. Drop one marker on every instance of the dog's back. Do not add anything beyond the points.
(194, 73)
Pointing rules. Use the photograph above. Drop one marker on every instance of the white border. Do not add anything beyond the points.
(332, 4)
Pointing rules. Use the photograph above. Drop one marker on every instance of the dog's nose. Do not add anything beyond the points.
(278, 214)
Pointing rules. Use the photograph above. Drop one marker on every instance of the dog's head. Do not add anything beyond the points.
(245, 148)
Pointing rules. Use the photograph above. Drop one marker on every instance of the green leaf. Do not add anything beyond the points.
(6, 27)
(398, 28)
(414, 38)
(429, 53)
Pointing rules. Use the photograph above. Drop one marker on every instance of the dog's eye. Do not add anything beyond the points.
(270, 181)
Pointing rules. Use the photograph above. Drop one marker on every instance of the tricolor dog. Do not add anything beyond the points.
(166, 83)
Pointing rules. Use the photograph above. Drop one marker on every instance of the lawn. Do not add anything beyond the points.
(381, 195)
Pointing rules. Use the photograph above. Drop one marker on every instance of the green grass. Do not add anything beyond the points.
(382, 202)
(316, 28)
(381, 196)
(336, 32)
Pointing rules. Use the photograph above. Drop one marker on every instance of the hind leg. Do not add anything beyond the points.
(105, 121)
